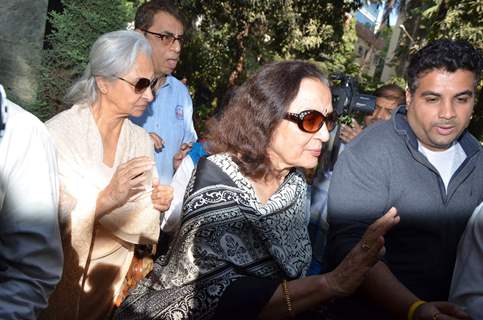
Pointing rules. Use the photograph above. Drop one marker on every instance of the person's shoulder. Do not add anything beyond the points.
(20, 119)
(177, 85)
(376, 147)
(64, 118)
(470, 144)
(69, 125)
(172, 94)
(173, 81)
(21, 116)
(385, 127)
(209, 173)
(373, 137)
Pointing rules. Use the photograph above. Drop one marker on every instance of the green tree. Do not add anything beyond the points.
(454, 19)
(230, 39)
(343, 59)
(227, 41)
(74, 31)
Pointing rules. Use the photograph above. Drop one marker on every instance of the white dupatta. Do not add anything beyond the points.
(83, 175)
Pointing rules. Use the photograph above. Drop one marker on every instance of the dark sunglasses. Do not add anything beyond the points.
(167, 38)
(311, 120)
(142, 84)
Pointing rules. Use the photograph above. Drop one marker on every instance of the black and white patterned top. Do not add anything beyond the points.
(226, 233)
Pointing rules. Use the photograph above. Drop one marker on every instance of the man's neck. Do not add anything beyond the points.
(161, 80)
(425, 148)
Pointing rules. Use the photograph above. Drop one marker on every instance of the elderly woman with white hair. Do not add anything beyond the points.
(110, 196)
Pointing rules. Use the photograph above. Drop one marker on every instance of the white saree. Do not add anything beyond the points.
(97, 254)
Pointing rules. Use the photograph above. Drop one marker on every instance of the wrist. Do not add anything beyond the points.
(414, 307)
(329, 280)
(104, 203)
(287, 298)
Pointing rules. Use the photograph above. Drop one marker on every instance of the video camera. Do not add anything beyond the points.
(346, 98)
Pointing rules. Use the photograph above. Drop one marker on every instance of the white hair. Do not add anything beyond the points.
(113, 54)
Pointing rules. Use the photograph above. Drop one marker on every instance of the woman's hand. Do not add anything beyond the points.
(350, 273)
(161, 196)
(439, 310)
(127, 181)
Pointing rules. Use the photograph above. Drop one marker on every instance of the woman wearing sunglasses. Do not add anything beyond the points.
(242, 249)
(111, 199)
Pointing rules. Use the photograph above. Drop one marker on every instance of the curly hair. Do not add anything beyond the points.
(145, 13)
(446, 54)
(245, 128)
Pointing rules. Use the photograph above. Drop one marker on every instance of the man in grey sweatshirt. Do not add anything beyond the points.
(425, 163)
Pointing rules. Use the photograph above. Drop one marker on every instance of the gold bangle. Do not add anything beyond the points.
(287, 298)
(412, 309)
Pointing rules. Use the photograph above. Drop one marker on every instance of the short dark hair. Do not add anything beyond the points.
(145, 13)
(446, 54)
(245, 128)
(391, 91)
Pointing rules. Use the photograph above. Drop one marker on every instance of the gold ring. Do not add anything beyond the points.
(365, 246)
(436, 315)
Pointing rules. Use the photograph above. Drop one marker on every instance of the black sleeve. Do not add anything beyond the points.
(245, 298)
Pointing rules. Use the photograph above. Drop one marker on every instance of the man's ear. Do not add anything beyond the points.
(408, 98)
(102, 85)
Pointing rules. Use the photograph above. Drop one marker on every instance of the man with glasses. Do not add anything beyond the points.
(168, 119)
(388, 98)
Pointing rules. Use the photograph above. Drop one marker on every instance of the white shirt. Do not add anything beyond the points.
(30, 246)
(446, 162)
(172, 216)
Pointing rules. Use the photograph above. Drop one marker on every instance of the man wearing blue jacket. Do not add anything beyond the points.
(425, 163)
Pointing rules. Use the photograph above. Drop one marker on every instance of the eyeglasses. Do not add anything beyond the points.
(311, 120)
(142, 84)
(167, 38)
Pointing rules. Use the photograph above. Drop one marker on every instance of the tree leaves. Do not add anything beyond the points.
(231, 39)
(74, 31)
